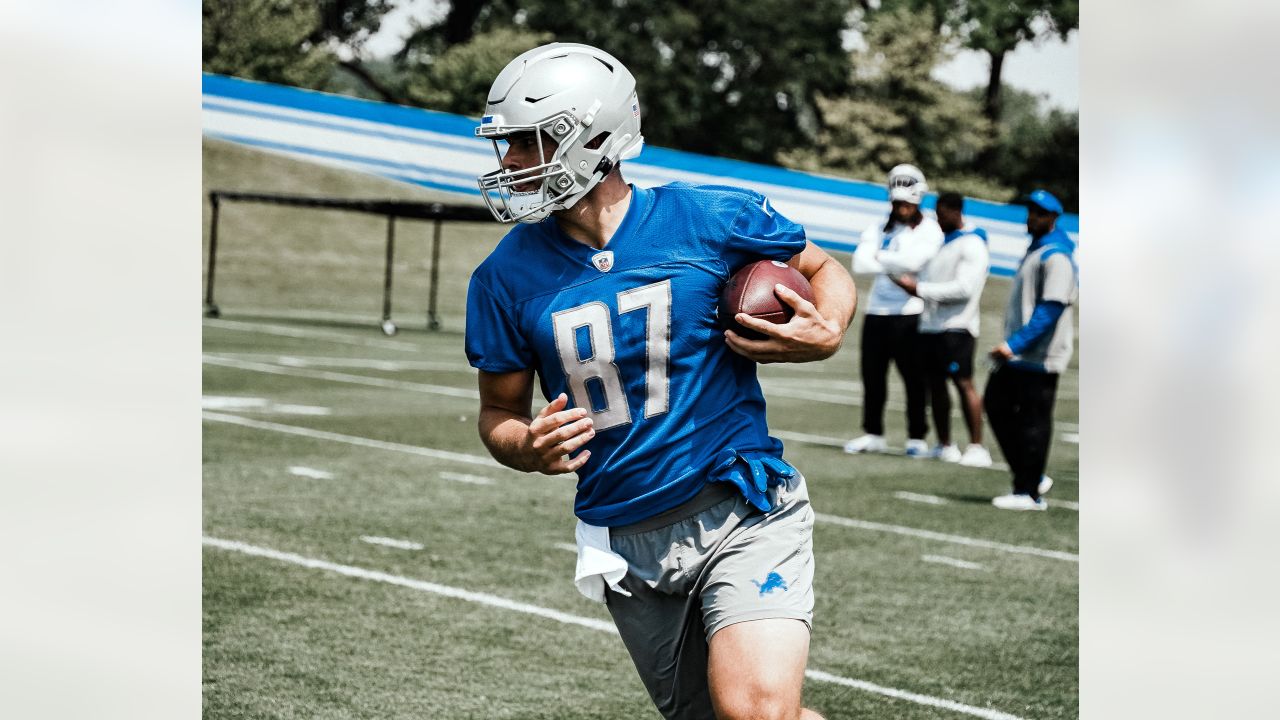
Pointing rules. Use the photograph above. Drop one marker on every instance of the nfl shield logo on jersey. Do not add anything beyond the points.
(603, 261)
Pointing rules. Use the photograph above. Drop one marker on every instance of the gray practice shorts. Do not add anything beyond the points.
(703, 566)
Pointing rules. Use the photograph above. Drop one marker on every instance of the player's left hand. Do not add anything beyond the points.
(806, 337)
(1002, 352)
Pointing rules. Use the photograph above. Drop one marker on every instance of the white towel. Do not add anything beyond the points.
(598, 564)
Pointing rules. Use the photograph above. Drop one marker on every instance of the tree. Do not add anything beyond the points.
(897, 112)
(264, 40)
(996, 27)
(287, 41)
(1037, 149)
(458, 80)
(740, 84)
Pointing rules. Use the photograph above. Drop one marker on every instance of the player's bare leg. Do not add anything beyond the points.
(971, 407)
(756, 670)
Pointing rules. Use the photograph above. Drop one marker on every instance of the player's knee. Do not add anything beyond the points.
(759, 702)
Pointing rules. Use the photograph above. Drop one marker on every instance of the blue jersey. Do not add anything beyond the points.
(630, 334)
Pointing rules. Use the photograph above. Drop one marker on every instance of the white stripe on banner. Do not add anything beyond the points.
(833, 210)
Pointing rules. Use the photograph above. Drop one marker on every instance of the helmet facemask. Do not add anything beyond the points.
(555, 179)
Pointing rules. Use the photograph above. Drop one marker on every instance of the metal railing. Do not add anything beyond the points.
(439, 213)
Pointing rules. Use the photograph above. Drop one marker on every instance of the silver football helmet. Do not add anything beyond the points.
(571, 94)
(907, 183)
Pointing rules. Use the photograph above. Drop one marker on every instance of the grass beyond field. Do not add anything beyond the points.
(364, 558)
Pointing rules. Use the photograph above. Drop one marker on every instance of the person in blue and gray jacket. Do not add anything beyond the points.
(1039, 337)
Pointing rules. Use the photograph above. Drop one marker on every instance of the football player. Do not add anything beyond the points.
(692, 527)
(1039, 341)
(951, 286)
(890, 331)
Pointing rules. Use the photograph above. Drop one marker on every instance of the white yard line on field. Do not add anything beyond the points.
(783, 389)
(568, 619)
(918, 498)
(302, 471)
(450, 391)
(822, 385)
(422, 585)
(469, 479)
(488, 462)
(570, 547)
(828, 441)
(807, 438)
(772, 389)
(352, 439)
(341, 377)
(945, 537)
(351, 363)
(312, 334)
(1066, 504)
(1073, 438)
(392, 542)
(953, 562)
(984, 713)
(238, 403)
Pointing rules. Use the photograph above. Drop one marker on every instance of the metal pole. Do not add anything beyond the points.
(433, 320)
(210, 309)
(388, 327)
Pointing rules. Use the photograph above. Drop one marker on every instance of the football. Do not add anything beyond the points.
(750, 291)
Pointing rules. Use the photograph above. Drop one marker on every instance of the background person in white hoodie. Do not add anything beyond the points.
(890, 330)
(951, 285)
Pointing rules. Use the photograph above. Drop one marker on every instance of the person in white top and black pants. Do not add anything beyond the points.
(951, 285)
(890, 332)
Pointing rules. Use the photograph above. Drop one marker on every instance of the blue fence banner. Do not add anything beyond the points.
(439, 151)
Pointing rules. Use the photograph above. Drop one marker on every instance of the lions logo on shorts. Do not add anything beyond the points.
(773, 581)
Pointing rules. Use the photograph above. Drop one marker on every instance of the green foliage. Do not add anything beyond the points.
(998, 26)
(285, 41)
(268, 40)
(739, 84)
(458, 80)
(1038, 150)
(897, 112)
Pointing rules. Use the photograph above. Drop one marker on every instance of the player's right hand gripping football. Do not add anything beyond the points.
(555, 434)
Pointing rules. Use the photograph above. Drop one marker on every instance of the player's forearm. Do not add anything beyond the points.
(834, 294)
(506, 435)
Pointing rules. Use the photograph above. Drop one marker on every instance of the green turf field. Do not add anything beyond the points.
(323, 438)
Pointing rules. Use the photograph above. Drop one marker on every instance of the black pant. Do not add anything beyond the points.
(1019, 405)
(896, 338)
(947, 356)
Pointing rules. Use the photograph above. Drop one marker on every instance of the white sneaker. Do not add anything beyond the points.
(1019, 502)
(866, 444)
(946, 453)
(976, 456)
(917, 449)
(1046, 484)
